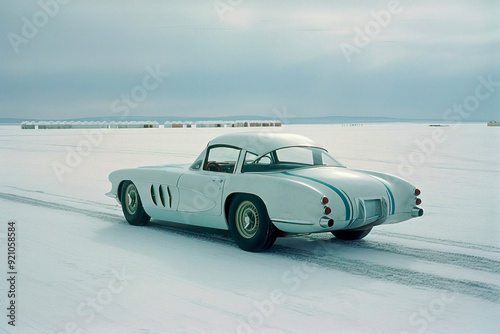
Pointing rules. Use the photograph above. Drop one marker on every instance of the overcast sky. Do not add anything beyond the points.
(249, 57)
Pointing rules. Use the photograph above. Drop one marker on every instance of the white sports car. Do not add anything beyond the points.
(264, 185)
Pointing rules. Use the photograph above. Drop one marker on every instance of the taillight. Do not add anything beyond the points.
(328, 210)
(418, 201)
(417, 192)
(325, 200)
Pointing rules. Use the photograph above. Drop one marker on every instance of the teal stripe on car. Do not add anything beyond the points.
(393, 204)
(343, 196)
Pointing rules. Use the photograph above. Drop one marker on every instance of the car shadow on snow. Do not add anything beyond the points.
(161, 233)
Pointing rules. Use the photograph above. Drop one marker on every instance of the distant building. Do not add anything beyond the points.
(136, 125)
(493, 123)
(211, 124)
(28, 125)
(145, 124)
(177, 125)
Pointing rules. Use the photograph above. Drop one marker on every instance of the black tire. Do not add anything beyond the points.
(351, 235)
(132, 205)
(249, 224)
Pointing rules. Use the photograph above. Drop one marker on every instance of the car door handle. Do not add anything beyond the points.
(217, 180)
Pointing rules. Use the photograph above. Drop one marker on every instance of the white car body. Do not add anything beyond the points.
(293, 196)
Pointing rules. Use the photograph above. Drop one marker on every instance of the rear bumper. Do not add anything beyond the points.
(322, 225)
(359, 223)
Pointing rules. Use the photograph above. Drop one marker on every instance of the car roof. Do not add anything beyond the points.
(261, 143)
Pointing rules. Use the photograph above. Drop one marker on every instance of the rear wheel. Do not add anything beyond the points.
(351, 235)
(250, 225)
(132, 205)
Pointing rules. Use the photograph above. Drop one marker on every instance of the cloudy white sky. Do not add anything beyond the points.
(248, 57)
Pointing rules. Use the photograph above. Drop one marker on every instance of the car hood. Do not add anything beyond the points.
(177, 166)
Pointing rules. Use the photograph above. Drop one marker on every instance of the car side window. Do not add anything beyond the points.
(253, 159)
(254, 163)
(222, 159)
(264, 160)
(298, 155)
(250, 158)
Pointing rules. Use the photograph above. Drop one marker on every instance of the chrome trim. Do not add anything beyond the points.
(112, 195)
(326, 222)
(294, 222)
(417, 212)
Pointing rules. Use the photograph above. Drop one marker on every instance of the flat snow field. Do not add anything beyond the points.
(82, 269)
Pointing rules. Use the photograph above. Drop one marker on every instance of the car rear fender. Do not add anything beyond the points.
(288, 201)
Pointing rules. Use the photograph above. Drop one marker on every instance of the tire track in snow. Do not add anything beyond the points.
(456, 259)
(61, 207)
(325, 259)
(401, 276)
(484, 248)
(64, 198)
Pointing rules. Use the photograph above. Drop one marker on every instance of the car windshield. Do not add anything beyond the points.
(199, 161)
(289, 158)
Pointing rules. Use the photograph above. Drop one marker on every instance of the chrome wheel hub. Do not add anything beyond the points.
(131, 199)
(247, 219)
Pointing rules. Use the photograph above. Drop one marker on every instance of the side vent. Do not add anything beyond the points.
(158, 196)
(169, 197)
(153, 197)
(160, 190)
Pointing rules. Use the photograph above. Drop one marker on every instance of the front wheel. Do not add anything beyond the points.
(132, 205)
(351, 235)
(250, 225)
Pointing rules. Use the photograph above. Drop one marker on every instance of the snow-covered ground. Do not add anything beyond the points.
(83, 269)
